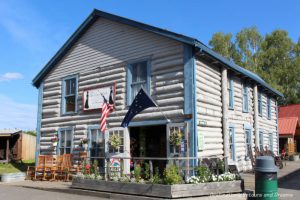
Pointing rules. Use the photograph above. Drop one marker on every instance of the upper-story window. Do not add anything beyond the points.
(230, 93)
(261, 140)
(245, 97)
(138, 75)
(259, 104)
(69, 95)
(269, 108)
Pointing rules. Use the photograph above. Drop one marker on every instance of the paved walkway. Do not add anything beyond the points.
(290, 169)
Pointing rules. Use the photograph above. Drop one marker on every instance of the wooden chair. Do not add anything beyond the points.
(39, 168)
(57, 169)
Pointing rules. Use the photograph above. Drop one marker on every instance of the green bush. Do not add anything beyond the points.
(203, 173)
(172, 176)
(147, 171)
(137, 172)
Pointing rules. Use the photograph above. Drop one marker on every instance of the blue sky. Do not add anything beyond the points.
(31, 31)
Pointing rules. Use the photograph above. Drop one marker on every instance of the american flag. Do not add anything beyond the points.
(107, 108)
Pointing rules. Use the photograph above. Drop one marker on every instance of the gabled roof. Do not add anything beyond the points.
(292, 110)
(287, 125)
(178, 37)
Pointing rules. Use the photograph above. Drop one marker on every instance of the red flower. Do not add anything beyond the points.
(88, 166)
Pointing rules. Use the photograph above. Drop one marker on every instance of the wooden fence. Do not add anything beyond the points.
(28, 147)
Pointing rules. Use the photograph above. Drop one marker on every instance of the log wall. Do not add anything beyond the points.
(99, 58)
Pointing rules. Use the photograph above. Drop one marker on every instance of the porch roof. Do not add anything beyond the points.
(9, 132)
(287, 126)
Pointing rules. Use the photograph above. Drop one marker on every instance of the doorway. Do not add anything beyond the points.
(149, 141)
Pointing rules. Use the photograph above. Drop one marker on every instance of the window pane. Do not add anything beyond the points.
(134, 72)
(67, 86)
(62, 138)
(142, 71)
(70, 104)
(69, 139)
(73, 86)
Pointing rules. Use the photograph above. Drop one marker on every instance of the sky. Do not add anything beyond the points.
(32, 31)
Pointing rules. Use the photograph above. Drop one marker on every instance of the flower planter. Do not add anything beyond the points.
(294, 157)
(12, 177)
(157, 190)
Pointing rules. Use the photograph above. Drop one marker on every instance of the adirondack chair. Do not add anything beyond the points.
(58, 169)
(36, 171)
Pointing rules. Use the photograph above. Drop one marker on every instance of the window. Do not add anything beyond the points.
(69, 95)
(138, 75)
(271, 141)
(120, 134)
(259, 105)
(65, 141)
(176, 130)
(97, 146)
(230, 93)
(231, 132)
(248, 139)
(269, 111)
(261, 140)
(245, 97)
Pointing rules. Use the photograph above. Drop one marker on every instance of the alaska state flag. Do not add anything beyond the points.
(141, 101)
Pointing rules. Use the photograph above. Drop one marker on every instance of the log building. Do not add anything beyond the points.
(220, 107)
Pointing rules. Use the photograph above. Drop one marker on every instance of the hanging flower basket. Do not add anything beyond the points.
(175, 138)
(54, 141)
(115, 141)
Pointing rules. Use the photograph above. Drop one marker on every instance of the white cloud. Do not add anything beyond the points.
(17, 115)
(10, 76)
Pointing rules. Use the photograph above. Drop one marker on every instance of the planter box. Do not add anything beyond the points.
(157, 190)
(294, 157)
(13, 177)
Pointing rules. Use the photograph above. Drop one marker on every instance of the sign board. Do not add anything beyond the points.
(93, 99)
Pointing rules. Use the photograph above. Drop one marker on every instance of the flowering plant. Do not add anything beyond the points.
(54, 139)
(115, 141)
(175, 138)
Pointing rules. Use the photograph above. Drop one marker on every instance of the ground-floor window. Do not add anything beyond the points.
(116, 136)
(231, 131)
(271, 141)
(97, 146)
(65, 141)
(248, 141)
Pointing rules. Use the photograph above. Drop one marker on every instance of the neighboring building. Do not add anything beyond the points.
(16, 145)
(289, 128)
(220, 107)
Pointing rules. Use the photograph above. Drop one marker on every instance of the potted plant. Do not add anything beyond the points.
(84, 142)
(115, 141)
(54, 140)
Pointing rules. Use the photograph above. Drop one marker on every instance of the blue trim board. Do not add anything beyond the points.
(39, 122)
(192, 42)
(231, 95)
(189, 98)
(148, 123)
(269, 108)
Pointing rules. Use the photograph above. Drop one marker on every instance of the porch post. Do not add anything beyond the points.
(225, 117)
(256, 125)
(7, 150)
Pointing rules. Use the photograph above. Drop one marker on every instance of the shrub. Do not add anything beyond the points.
(203, 173)
(94, 168)
(172, 176)
(147, 171)
(137, 172)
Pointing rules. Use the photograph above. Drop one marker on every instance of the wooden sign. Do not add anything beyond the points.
(93, 99)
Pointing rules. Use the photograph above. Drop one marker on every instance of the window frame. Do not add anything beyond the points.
(259, 102)
(261, 140)
(248, 127)
(60, 130)
(233, 156)
(129, 97)
(271, 141)
(245, 97)
(231, 93)
(63, 96)
(269, 108)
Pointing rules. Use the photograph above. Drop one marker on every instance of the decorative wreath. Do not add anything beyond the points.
(176, 137)
(115, 141)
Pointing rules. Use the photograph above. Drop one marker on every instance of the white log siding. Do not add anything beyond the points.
(269, 125)
(99, 58)
(209, 108)
(239, 118)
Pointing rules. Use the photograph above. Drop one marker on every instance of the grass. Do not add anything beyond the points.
(14, 167)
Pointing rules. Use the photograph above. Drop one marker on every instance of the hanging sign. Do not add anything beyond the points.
(92, 99)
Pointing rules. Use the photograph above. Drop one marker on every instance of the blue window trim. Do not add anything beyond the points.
(248, 127)
(271, 145)
(269, 108)
(39, 123)
(245, 94)
(129, 79)
(231, 93)
(59, 136)
(259, 104)
(90, 128)
(63, 93)
(232, 126)
(261, 139)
